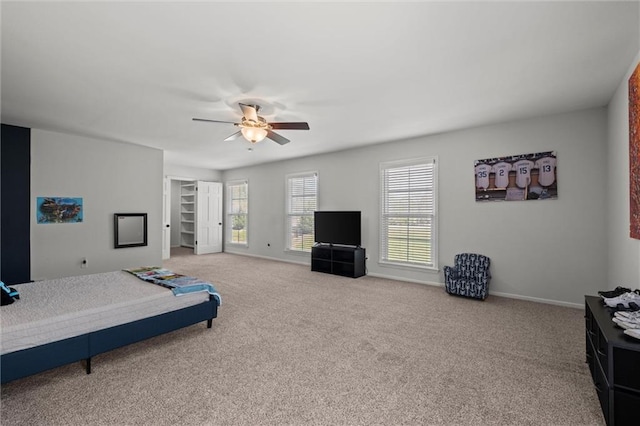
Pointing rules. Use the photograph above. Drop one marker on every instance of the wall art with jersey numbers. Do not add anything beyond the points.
(59, 210)
(517, 177)
(634, 153)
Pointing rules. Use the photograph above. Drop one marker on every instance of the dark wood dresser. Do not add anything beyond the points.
(614, 362)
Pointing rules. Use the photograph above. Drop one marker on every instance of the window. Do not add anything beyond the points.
(408, 213)
(237, 212)
(302, 201)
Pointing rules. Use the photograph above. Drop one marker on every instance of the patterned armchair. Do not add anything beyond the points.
(469, 277)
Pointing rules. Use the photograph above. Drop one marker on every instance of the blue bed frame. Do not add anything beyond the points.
(26, 362)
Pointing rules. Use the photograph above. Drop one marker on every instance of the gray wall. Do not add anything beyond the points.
(554, 250)
(111, 177)
(550, 250)
(191, 173)
(624, 251)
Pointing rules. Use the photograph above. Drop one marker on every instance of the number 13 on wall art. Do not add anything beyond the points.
(517, 177)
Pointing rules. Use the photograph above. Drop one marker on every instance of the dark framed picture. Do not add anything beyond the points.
(130, 229)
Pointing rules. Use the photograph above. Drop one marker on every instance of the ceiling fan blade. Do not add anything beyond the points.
(277, 138)
(250, 112)
(213, 121)
(234, 136)
(290, 126)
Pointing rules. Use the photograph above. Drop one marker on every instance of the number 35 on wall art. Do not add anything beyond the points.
(517, 177)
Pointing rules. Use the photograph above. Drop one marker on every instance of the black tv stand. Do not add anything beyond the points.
(347, 261)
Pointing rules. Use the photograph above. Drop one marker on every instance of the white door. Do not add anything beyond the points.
(166, 219)
(208, 217)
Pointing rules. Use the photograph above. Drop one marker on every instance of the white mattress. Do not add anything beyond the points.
(57, 309)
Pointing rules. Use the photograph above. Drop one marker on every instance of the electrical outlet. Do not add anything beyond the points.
(84, 264)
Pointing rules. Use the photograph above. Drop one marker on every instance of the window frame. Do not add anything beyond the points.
(288, 227)
(432, 218)
(229, 213)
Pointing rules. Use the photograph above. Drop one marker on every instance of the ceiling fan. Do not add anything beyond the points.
(255, 128)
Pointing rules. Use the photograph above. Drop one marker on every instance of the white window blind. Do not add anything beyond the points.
(408, 213)
(302, 201)
(238, 212)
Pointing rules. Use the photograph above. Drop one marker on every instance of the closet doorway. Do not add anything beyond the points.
(192, 216)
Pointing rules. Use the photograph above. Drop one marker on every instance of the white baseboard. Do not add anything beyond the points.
(266, 257)
(433, 283)
(491, 293)
(539, 300)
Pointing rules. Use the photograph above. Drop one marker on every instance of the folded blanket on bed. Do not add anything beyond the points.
(178, 283)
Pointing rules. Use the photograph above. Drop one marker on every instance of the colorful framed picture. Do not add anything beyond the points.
(59, 210)
(634, 153)
(517, 177)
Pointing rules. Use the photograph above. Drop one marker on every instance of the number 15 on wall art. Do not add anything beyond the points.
(517, 177)
(59, 210)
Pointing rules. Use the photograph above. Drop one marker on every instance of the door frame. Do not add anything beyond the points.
(168, 181)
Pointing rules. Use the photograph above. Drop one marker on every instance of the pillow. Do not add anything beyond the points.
(9, 294)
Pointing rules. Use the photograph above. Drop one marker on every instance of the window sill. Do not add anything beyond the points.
(407, 266)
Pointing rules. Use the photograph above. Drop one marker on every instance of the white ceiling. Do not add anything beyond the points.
(358, 73)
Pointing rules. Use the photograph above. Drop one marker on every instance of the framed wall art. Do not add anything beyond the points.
(634, 153)
(517, 177)
(59, 210)
(130, 229)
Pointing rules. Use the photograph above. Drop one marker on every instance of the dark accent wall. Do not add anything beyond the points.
(15, 178)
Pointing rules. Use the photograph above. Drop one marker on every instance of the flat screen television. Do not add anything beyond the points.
(337, 227)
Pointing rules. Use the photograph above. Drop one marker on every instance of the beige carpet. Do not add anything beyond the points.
(291, 346)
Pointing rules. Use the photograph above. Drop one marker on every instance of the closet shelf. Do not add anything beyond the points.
(187, 211)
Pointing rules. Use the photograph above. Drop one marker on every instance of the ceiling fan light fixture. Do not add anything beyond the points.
(255, 128)
(254, 134)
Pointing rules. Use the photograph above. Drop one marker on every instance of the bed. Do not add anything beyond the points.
(61, 321)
